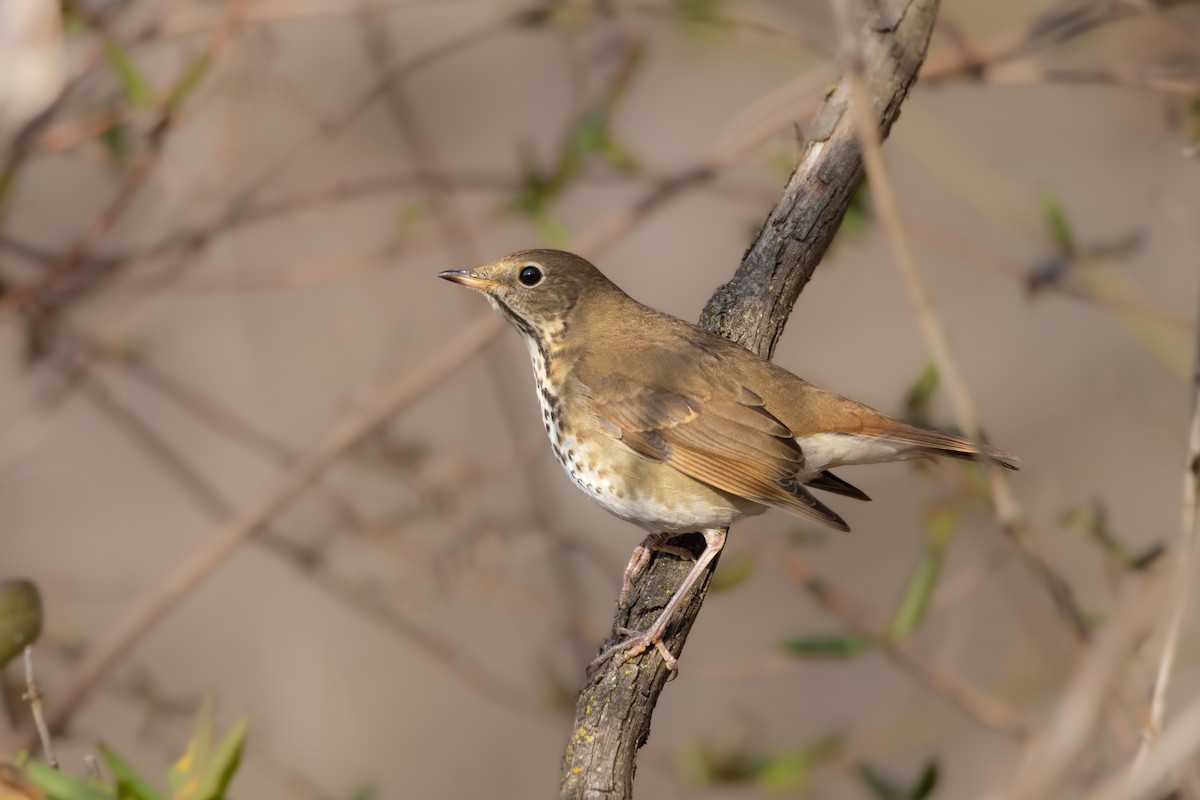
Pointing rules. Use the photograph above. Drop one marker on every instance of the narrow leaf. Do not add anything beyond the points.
(130, 785)
(858, 214)
(116, 141)
(886, 788)
(61, 786)
(1057, 224)
(184, 777)
(552, 229)
(919, 397)
(790, 770)
(137, 89)
(225, 760)
(20, 617)
(844, 646)
(189, 80)
(914, 603)
(734, 572)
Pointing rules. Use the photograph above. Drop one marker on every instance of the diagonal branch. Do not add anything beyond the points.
(613, 712)
(227, 538)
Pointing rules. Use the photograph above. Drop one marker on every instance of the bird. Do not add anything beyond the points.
(676, 429)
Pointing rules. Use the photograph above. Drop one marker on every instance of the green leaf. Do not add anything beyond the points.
(189, 80)
(552, 229)
(835, 646)
(918, 400)
(700, 15)
(61, 786)
(914, 603)
(116, 141)
(365, 793)
(130, 785)
(790, 770)
(1057, 224)
(615, 153)
(20, 617)
(184, 776)
(224, 764)
(204, 773)
(137, 89)
(585, 140)
(1118, 249)
(886, 788)
(1147, 557)
(1092, 522)
(733, 572)
(782, 164)
(703, 765)
(858, 214)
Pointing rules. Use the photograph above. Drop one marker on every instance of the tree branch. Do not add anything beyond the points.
(613, 712)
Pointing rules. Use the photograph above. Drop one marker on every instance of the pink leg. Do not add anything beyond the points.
(641, 557)
(639, 642)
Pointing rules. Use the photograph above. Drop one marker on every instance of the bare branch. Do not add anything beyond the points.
(1181, 590)
(227, 538)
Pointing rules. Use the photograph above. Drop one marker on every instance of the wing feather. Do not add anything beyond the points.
(730, 442)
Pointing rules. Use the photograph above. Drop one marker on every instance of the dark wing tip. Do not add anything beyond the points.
(828, 482)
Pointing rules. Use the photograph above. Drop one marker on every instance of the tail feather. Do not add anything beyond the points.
(936, 443)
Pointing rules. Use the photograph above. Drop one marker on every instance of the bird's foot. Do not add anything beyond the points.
(655, 542)
(637, 643)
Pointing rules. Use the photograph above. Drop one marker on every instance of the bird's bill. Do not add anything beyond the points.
(465, 278)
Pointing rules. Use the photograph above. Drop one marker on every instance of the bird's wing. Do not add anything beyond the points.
(828, 482)
(719, 433)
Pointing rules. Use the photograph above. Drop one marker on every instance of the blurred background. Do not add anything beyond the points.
(220, 227)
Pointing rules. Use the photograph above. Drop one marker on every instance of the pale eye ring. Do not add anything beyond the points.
(530, 275)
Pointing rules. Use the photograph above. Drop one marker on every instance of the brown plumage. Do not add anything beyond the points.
(677, 429)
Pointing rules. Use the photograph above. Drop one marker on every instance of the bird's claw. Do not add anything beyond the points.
(637, 643)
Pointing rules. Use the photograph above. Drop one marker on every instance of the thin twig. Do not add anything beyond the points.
(34, 295)
(226, 539)
(209, 500)
(985, 710)
(1008, 510)
(457, 236)
(33, 696)
(1177, 748)
(1051, 759)
(1183, 576)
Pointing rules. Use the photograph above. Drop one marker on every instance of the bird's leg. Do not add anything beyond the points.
(641, 557)
(639, 641)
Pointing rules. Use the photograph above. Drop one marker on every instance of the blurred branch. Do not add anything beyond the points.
(392, 72)
(614, 709)
(935, 235)
(1182, 578)
(458, 239)
(1051, 759)
(983, 709)
(434, 483)
(1067, 21)
(1008, 511)
(33, 696)
(1177, 749)
(60, 270)
(344, 434)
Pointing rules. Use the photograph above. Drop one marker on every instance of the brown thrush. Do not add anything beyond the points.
(676, 429)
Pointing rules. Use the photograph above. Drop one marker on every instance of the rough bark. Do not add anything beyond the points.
(613, 712)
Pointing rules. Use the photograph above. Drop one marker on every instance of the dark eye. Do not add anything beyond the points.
(530, 276)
